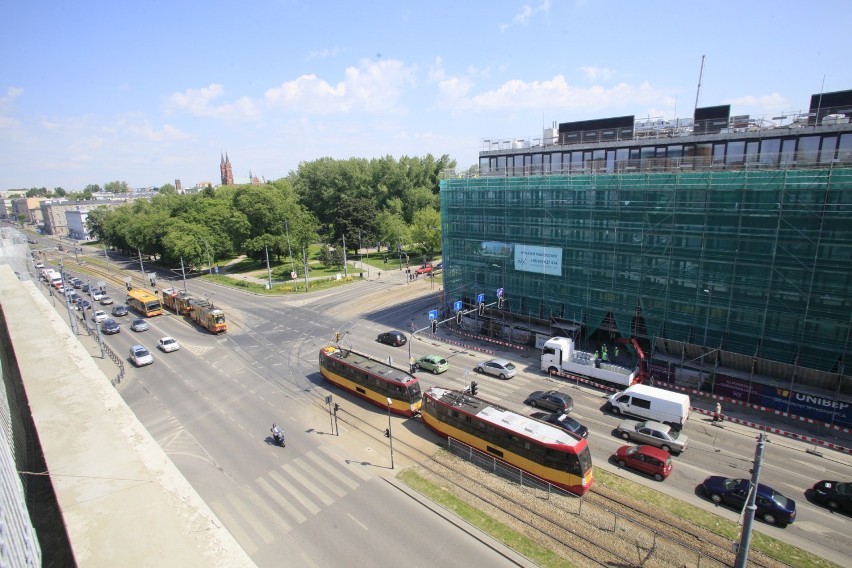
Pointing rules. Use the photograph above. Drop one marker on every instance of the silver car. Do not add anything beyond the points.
(497, 367)
(653, 434)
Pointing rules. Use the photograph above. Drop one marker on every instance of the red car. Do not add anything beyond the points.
(647, 459)
(424, 269)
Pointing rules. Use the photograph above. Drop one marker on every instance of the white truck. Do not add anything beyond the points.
(655, 404)
(560, 357)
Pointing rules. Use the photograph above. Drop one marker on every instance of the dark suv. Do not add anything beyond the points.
(551, 400)
(395, 338)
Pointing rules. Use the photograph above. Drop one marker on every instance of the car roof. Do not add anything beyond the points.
(654, 452)
(138, 347)
(498, 361)
(656, 425)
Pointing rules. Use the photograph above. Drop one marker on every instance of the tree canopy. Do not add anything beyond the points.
(364, 202)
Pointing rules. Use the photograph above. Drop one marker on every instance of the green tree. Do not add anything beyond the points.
(59, 192)
(167, 189)
(426, 229)
(117, 187)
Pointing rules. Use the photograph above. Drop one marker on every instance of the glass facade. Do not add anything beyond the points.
(758, 262)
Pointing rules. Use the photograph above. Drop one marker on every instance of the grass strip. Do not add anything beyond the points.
(768, 545)
(496, 529)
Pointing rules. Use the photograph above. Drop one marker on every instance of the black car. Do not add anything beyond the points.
(395, 338)
(119, 310)
(86, 288)
(563, 421)
(84, 305)
(836, 495)
(772, 507)
(551, 400)
(110, 326)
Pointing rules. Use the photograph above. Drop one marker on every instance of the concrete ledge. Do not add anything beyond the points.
(123, 500)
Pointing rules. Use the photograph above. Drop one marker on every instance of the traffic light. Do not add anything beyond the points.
(387, 432)
(500, 303)
(336, 407)
(458, 317)
(434, 326)
(473, 388)
(482, 308)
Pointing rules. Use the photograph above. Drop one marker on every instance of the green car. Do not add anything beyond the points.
(434, 363)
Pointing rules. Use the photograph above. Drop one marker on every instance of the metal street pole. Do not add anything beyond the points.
(305, 260)
(141, 266)
(345, 272)
(268, 269)
(750, 507)
(390, 432)
(289, 250)
(183, 272)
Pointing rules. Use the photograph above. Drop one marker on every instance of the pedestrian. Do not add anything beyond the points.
(717, 416)
(616, 351)
(380, 273)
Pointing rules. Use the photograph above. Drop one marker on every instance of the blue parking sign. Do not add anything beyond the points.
(457, 305)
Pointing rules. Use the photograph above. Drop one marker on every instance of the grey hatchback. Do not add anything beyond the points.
(497, 367)
(551, 400)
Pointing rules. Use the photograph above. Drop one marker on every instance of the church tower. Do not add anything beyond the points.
(225, 170)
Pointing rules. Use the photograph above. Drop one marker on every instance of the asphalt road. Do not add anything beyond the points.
(210, 406)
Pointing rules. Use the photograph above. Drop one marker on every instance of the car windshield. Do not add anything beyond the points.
(141, 352)
(509, 366)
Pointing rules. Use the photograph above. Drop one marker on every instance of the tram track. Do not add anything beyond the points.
(613, 529)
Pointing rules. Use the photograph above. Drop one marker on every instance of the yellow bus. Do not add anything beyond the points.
(144, 302)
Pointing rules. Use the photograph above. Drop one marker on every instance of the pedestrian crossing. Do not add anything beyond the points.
(259, 512)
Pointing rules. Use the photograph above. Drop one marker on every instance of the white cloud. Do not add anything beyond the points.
(197, 102)
(527, 12)
(760, 103)
(554, 94)
(372, 87)
(597, 73)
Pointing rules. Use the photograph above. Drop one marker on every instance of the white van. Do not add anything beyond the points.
(660, 405)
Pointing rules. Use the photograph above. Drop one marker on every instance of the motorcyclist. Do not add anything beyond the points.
(277, 434)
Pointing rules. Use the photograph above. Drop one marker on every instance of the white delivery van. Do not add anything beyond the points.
(660, 405)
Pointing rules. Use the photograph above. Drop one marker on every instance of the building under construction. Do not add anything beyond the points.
(724, 244)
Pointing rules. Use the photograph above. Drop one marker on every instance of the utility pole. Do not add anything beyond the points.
(750, 507)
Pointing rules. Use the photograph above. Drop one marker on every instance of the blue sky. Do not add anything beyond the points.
(149, 92)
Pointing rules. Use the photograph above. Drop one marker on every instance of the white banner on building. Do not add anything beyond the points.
(542, 260)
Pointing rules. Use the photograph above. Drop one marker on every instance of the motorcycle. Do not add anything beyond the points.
(278, 437)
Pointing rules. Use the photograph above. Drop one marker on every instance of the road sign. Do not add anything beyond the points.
(457, 305)
(480, 298)
(294, 275)
(328, 399)
(433, 315)
(499, 292)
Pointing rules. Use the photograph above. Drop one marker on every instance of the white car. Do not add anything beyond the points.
(106, 300)
(140, 356)
(97, 295)
(168, 344)
(99, 316)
